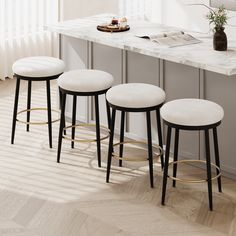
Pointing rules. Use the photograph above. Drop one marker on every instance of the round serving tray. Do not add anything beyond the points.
(106, 29)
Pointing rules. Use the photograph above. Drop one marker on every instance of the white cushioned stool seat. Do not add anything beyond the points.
(192, 112)
(41, 66)
(135, 95)
(85, 80)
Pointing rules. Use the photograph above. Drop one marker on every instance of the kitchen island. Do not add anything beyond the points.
(192, 71)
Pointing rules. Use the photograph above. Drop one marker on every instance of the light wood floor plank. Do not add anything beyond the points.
(39, 197)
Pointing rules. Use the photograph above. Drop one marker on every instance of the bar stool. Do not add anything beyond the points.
(31, 69)
(192, 114)
(134, 97)
(83, 83)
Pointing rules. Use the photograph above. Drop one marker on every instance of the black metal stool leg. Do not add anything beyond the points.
(60, 101)
(109, 118)
(49, 113)
(150, 154)
(208, 162)
(122, 131)
(217, 158)
(108, 115)
(175, 155)
(73, 120)
(15, 110)
(160, 135)
(166, 165)
(28, 104)
(63, 104)
(112, 127)
(98, 130)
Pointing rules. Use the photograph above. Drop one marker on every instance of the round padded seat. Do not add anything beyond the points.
(41, 66)
(85, 81)
(135, 95)
(192, 112)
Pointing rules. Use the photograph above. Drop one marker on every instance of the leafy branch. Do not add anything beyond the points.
(201, 4)
(217, 17)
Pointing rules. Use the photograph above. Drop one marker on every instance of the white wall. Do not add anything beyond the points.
(171, 12)
(79, 8)
(180, 13)
(177, 13)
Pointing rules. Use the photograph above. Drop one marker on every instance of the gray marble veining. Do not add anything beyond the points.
(199, 55)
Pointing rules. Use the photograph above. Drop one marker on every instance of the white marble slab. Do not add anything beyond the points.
(199, 55)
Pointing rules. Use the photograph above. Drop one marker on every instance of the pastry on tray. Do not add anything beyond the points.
(115, 25)
(114, 21)
(112, 26)
(123, 22)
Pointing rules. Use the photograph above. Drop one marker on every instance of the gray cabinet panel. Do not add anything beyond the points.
(74, 53)
(181, 81)
(108, 59)
(141, 69)
(221, 90)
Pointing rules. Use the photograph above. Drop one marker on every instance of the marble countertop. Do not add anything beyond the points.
(199, 55)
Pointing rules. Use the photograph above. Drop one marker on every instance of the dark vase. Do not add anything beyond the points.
(220, 39)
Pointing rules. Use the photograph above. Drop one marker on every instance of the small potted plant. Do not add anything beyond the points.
(218, 18)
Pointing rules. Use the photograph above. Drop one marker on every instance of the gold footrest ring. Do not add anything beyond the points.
(194, 180)
(125, 158)
(36, 122)
(66, 137)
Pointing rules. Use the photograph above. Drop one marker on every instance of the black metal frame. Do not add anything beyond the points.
(95, 94)
(206, 130)
(149, 135)
(30, 79)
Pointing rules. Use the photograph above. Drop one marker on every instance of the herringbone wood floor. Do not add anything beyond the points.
(40, 197)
